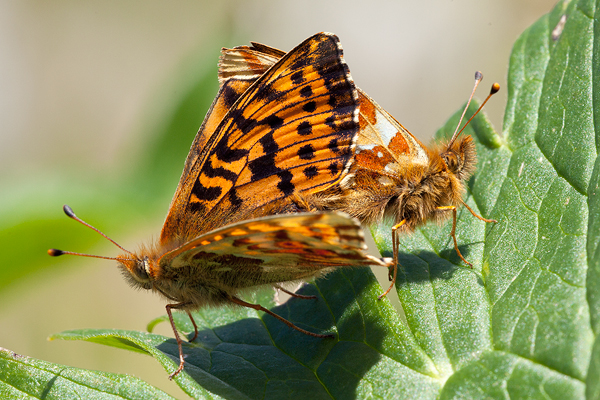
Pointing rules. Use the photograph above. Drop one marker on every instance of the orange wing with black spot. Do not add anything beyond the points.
(292, 130)
(383, 144)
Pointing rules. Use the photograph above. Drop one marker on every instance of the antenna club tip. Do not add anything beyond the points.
(55, 252)
(495, 88)
(478, 75)
(68, 211)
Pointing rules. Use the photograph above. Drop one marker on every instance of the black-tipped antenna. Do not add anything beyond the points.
(72, 215)
(56, 253)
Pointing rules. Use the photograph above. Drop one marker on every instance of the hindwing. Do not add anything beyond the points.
(271, 249)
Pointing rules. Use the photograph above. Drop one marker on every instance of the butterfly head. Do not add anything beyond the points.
(136, 271)
(461, 157)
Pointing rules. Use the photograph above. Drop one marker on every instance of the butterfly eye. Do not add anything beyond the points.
(452, 161)
(135, 271)
(142, 269)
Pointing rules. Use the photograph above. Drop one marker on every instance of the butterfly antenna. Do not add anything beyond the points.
(56, 253)
(493, 91)
(478, 78)
(71, 214)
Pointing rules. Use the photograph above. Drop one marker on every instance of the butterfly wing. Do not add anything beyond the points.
(235, 81)
(270, 249)
(247, 62)
(383, 144)
(235, 77)
(292, 130)
(228, 94)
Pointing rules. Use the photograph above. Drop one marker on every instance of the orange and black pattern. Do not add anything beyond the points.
(292, 131)
(263, 251)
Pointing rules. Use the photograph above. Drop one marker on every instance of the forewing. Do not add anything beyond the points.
(228, 94)
(237, 71)
(274, 249)
(383, 144)
(292, 130)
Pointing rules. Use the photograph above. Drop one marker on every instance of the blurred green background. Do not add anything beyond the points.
(101, 100)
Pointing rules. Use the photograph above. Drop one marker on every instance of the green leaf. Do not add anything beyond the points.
(27, 378)
(236, 356)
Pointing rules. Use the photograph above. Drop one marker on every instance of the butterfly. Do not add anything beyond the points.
(291, 131)
(261, 147)
(393, 175)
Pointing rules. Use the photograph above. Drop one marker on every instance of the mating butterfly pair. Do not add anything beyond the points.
(286, 133)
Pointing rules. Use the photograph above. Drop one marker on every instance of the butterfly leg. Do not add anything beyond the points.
(177, 338)
(195, 326)
(453, 231)
(393, 272)
(294, 294)
(475, 215)
(258, 307)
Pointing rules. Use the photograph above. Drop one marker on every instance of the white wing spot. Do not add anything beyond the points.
(365, 147)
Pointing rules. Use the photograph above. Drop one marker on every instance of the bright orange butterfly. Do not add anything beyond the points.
(393, 174)
(260, 147)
